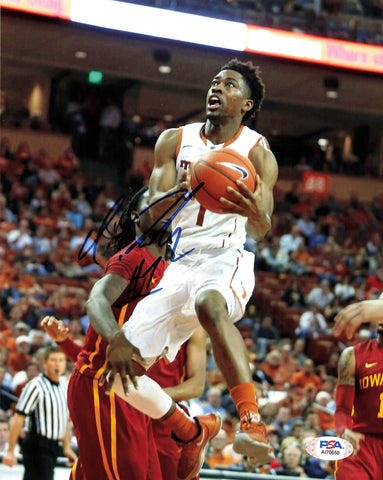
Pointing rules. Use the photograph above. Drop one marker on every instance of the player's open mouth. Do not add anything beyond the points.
(214, 102)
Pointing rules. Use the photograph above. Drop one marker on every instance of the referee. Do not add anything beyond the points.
(43, 406)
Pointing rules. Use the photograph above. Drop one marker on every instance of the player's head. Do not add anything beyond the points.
(380, 329)
(136, 220)
(250, 84)
(125, 231)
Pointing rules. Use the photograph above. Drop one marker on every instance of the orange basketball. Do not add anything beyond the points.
(219, 169)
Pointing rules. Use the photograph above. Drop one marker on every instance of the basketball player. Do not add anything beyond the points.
(115, 440)
(359, 409)
(210, 276)
(182, 379)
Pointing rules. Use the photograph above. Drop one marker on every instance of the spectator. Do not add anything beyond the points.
(289, 363)
(41, 244)
(213, 402)
(330, 368)
(298, 351)
(48, 176)
(321, 296)
(312, 466)
(6, 395)
(306, 226)
(290, 241)
(216, 455)
(311, 420)
(307, 376)
(20, 379)
(344, 290)
(19, 358)
(281, 422)
(297, 430)
(20, 237)
(293, 295)
(265, 335)
(325, 414)
(374, 284)
(291, 462)
(312, 322)
(317, 238)
(275, 369)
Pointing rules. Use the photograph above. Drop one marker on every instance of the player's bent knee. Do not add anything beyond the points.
(210, 307)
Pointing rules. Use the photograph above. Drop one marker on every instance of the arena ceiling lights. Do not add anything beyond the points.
(183, 27)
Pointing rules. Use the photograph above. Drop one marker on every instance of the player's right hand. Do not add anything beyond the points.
(352, 316)
(10, 459)
(119, 360)
(56, 329)
(354, 438)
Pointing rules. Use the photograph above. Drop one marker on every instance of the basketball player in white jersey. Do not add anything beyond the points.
(210, 275)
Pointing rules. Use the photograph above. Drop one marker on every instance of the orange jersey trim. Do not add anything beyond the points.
(226, 144)
(232, 140)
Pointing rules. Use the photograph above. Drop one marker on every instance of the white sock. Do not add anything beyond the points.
(149, 398)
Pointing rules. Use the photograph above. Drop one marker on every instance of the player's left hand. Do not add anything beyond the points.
(352, 316)
(248, 204)
(245, 201)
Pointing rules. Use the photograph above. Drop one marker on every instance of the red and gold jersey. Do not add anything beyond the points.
(143, 272)
(368, 402)
(169, 374)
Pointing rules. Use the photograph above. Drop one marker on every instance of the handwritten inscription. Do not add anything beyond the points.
(153, 234)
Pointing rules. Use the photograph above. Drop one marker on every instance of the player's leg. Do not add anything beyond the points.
(218, 302)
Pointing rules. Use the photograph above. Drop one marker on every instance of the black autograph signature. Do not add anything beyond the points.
(161, 236)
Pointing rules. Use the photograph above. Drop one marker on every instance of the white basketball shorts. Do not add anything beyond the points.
(164, 320)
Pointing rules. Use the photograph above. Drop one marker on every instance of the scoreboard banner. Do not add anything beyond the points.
(213, 32)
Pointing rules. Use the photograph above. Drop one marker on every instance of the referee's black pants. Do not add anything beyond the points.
(40, 456)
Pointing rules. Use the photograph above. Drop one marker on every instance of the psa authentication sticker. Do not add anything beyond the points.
(329, 448)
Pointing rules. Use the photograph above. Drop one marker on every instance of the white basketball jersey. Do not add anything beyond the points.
(201, 228)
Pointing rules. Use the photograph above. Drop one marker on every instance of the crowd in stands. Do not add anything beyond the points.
(353, 20)
(321, 254)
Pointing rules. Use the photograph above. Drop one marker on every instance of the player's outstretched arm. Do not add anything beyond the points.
(351, 317)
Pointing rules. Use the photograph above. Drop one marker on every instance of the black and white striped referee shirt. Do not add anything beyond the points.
(44, 403)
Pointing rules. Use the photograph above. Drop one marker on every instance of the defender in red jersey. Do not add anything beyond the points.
(182, 379)
(115, 440)
(359, 412)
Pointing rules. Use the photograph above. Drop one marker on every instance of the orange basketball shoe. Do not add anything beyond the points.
(193, 452)
(251, 440)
